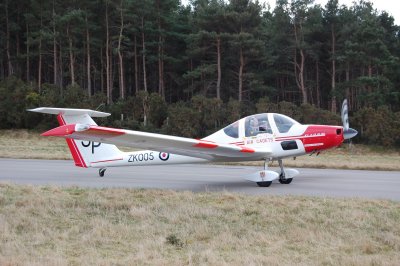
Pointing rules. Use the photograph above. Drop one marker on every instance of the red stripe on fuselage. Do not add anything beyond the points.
(112, 160)
(246, 149)
(205, 144)
(76, 155)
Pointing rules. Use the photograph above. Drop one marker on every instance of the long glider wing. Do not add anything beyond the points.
(159, 142)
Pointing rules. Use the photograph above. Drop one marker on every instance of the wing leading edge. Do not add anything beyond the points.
(159, 142)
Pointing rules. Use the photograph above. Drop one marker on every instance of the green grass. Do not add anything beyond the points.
(75, 226)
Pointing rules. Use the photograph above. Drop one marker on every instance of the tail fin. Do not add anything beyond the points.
(84, 153)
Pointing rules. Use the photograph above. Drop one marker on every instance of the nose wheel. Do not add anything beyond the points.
(102, 171)
(265, 183)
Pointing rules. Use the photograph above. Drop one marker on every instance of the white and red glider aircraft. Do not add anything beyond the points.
(266, 137)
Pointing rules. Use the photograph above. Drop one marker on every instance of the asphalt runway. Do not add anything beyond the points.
(204, 177)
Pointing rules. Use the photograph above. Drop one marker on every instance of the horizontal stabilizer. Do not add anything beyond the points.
(65, 130)
(69, 111)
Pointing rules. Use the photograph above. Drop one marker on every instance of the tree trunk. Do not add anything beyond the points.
(318, 85)
(162, 74)
(61, 70)
(121, 62)
(17, 68)
(88, 63)
(241, 74)
(101, 71)
(40, 55)
(333, 90)
(160, 55)
(370, 69)
(108, 74)
(299, 69)
(191, 79)
(219, 67)
(160, 68)
(9, 64)
(71, 58)
(136, 68)
(55, 68)
(301, 75)
(27, 52)
(347, 80)
(144, 57)
(2, 70)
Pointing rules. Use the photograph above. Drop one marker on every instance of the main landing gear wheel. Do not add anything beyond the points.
(285, 181)
(102, 171)
(282, 178)
(264, 183)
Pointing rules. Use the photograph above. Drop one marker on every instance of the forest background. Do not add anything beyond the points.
(161, 66)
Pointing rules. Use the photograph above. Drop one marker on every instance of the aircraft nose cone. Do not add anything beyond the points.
(349, 133)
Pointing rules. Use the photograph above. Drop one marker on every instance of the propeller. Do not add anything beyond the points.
(348, 132)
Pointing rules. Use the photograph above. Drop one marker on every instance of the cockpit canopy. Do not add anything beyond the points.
(256, 124)
(232, 130)
(260, 124)
(284, 123)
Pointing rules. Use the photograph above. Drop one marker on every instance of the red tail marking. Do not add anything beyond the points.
(76, 155)
(60, 131)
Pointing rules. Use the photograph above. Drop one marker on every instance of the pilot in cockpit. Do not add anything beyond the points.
(253, 126)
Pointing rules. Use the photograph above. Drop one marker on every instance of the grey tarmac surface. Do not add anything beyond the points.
(204, 177)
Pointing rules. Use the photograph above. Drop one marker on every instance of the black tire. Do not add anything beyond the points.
(264, 183)
(286, 181)
(101, 172)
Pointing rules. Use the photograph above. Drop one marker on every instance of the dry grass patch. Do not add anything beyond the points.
(24, 144)
(74, 226)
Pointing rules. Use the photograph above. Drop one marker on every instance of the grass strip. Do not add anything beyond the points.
(76, 226)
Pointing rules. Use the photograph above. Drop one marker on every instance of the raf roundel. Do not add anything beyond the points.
(163, 156)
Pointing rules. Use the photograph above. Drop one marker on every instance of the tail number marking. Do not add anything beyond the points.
(91, 143)
(147, 156)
